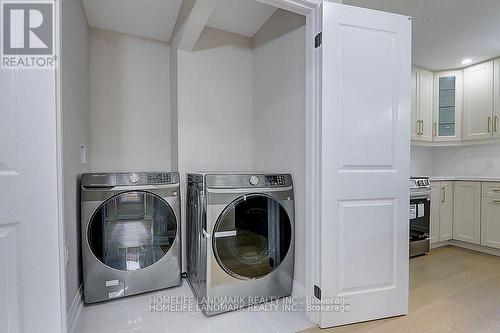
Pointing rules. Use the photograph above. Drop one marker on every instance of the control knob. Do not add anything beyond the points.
(134, 178)
(253, 180)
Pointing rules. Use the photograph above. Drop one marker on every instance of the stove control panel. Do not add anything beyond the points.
(419, 182)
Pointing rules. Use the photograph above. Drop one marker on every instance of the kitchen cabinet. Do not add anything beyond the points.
(496, 97)
(490, 222)
(479, 120)
(434, 219)
(448, 98)
(467, 211)
(446, 211)
(421, 104)
(441, 211)
(490, 215)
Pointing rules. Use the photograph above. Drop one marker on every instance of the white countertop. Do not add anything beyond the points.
(466, 178)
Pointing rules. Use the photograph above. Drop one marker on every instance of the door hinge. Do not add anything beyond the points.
(318, 40)
(317, 292)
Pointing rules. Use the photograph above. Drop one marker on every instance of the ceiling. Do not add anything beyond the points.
(153, 19)
(447, 31)
(243, 17)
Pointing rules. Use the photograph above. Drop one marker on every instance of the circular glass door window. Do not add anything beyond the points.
(252, 236)
(132, 230)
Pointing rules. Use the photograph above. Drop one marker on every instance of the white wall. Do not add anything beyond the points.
(279, 103)
(130, 102)
(481, 160)
(215, 120)
(421, 161)
(76, 131)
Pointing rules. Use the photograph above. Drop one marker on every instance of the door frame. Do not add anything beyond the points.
(310, 9)
(60, 166)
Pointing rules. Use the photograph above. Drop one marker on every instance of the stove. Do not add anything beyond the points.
(420, 203)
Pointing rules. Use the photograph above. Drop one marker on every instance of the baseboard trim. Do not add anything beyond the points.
(476, 247)
(75, 310)
(439, 244)
(468, 246)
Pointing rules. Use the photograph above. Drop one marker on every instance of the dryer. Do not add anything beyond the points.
(240, 238)
(130, 233)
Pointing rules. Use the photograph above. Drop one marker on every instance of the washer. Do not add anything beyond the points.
(130, 233)
(240, 242)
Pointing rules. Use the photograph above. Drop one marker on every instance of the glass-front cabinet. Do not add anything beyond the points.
(448, 96)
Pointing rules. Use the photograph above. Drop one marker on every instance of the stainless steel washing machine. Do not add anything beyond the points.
(240, 239)
(130, 233)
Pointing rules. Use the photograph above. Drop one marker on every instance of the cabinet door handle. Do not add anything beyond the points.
(443, 196)
(489, 124)
(434, 129)
(417, 129)
(496, 201)
(495, 123)
(496, 190)
(421, 127)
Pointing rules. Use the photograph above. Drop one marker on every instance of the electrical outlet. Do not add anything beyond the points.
(491, 164)
(66, 255)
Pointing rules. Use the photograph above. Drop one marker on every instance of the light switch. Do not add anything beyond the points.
(83, 154)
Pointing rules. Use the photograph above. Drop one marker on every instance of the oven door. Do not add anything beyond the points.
(419, 218)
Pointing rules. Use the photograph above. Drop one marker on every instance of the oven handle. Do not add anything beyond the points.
(420, 196)
(443, 197)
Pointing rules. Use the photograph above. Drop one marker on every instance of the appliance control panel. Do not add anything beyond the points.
(242, 180)
(419, 183)
(274, 180)
(95, 180)
(159, 178)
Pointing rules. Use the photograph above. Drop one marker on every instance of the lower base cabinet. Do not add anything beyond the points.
(441, 211)
(490, 215)
(467, 211)
(490, 222)
(434, 219)
(446, 211)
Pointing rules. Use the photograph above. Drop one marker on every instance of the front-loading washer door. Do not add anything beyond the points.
(252, 236)
(132, 230)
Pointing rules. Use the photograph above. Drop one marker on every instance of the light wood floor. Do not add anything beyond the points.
(451, 290)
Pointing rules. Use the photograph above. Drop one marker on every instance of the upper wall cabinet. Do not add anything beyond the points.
(496, 98)
(479, 121)
(421, 104)
(448, 97)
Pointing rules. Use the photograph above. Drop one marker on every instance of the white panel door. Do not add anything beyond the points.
(435, 205)
(414, 116)
(365, 134)
(478, 101)
(425, 102)
(446, 211)
(490, 222)
(31, 294)
(467, 211)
